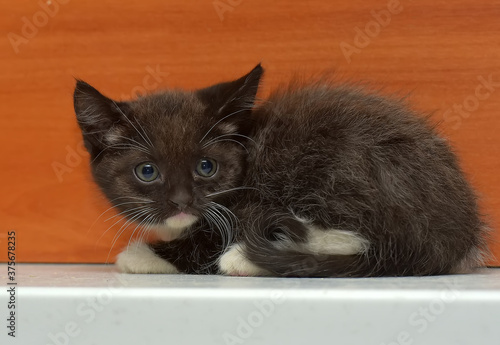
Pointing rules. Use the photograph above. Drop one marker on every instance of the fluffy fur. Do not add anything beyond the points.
(362, 164)
(320, 180)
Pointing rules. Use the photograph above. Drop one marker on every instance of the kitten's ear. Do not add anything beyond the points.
(97, 116)
(226, 98)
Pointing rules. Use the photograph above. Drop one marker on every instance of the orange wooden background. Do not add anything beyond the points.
(436, 49)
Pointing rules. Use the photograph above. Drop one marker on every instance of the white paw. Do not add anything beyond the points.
(234, 263)
(139, 258)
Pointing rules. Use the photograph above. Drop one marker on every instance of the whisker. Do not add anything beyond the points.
(110, 208)
(94, 132)
(224, 226)
(131, 197)
(133, 141)
(142, 136)
(229, 212)
(137, 210)
(217, 224)
(125, 147)
(229, 220)
(146, 134)
(232, 140)
(126, 211)
(123, 228)
(150, 223)
(225, 117)
(146, 228)
(137, 227)
(228, 135)
(230, 190)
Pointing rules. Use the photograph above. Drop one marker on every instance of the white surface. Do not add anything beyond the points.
(99, 306)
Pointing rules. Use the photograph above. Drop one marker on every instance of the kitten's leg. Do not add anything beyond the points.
(292, 247)
(140, 258)
(196, 252)
(319, 242)
(234, 263)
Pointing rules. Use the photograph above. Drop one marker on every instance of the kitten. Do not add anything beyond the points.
(319, 180)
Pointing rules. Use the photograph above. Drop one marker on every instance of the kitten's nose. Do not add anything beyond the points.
(181, 199)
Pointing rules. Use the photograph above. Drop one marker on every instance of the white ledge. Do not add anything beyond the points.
(93, 304)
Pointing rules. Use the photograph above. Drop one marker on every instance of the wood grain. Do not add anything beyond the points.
(436, 50)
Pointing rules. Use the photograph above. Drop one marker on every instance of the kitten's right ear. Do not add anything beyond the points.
(232, 96)
(96, 115)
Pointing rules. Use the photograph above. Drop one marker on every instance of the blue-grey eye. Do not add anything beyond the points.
(146, 172)
(206, 167)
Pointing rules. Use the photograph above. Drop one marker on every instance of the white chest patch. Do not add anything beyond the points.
(181, 221)
(139, 258)
(175, 226)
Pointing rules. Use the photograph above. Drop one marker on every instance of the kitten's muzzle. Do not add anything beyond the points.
(181, 199)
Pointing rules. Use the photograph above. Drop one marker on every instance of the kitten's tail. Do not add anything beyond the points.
(280, 246)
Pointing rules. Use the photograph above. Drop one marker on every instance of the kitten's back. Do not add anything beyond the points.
(346, 160)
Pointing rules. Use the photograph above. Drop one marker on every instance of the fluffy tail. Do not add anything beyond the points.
(279, 245)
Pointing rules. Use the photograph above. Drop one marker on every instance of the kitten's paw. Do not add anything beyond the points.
(140, 258)
(234, 263)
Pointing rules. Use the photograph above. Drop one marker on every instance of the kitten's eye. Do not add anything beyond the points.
(146, 172)
(206, 167)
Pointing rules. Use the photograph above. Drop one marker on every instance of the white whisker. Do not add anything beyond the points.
(118, 146)
(225, 227)
(147, 227)
(227, 135)
(232, 140)
(137, 227)
(229, 212)
(135, 211)
(146, 134)
(225, 117)
(127, 211)
(230, 190)
(217, 223)
(142, 136)
(123, 228)
(133, 141)
(114, 207)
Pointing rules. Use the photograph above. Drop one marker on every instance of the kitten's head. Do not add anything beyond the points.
(165, 159)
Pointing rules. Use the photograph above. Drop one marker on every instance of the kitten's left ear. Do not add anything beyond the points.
(226, 98)
(98, 116)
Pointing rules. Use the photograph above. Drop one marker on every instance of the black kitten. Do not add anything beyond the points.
(318, 180)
